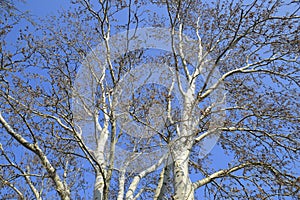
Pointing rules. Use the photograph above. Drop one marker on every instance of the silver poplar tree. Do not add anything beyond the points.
(135, 100)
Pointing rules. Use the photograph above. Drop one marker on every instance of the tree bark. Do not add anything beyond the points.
(62, 190)
(183, 188)
(98, 187)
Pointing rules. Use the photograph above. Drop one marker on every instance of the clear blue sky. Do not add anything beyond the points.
(42, 8)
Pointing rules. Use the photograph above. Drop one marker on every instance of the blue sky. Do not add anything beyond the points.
(42, 8)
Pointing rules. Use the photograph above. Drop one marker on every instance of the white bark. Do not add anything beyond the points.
(26, 176)
(133, 186)
(121, 185)
(182, 184)
(164, 179)
(100, 177)
(9, 184)
(101, 141)
(63, 192)
(159, 188)
(183, 188)
(31, 185)
(225, 172)
(99, 187)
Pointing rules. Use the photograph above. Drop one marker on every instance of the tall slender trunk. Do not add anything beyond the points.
(183, 188)
(164, 180)
(99, 187)
(100, 180)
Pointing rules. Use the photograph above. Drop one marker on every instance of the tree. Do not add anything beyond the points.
(126, 99)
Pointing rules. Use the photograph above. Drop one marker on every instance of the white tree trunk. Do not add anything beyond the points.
(183, 187)
(99, 187)
(100, 157)
(164, 179)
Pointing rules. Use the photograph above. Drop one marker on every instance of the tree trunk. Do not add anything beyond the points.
(183, 188)
(164, 180)
(99, 187)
